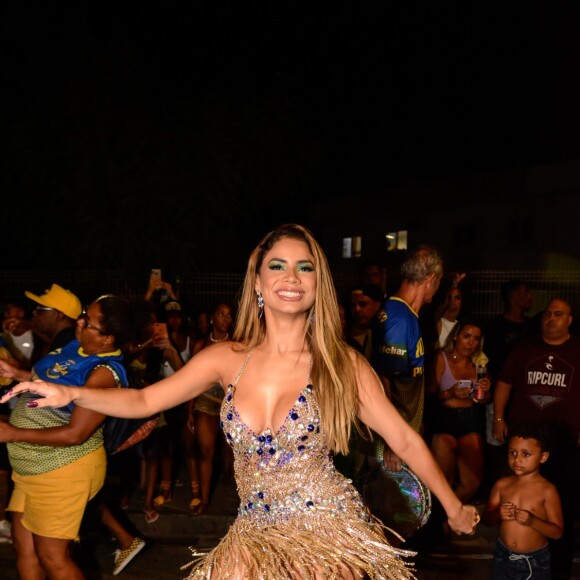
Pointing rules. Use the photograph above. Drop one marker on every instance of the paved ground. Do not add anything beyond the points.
(168, 540)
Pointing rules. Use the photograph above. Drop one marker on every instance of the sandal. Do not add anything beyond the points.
(151, 516)
(164, 494)
(194, 503)
(195, 496)
(199, 508)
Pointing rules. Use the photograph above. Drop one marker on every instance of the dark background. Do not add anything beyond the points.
(177, 134)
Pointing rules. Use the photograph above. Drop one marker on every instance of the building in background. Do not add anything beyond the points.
(524, 218)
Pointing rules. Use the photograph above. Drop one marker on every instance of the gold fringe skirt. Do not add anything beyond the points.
(306, 547)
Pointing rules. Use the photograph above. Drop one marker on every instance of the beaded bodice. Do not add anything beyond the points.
(288, 472)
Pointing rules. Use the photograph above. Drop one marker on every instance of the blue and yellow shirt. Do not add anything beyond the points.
(398, 354)
(69, 365)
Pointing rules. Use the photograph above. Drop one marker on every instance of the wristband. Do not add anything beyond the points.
(498, 420)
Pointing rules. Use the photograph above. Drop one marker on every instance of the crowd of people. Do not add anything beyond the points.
(307, 390)
(468, 386)
(110, 343)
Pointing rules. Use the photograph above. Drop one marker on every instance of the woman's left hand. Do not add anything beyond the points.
(190, 422)
(465, 520)
(483, 384)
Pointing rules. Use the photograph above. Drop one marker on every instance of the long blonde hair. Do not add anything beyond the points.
(333, 374)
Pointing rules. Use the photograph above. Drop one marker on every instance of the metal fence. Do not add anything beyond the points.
(198, 291)
(545, 285)
(482, 288)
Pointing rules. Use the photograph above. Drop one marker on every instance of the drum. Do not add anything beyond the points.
(398, 498)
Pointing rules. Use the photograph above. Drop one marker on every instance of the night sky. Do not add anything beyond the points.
(183, 131)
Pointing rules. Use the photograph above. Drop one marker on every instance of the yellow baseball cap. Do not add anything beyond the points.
(60, 299)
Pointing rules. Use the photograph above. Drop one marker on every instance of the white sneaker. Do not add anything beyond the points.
(123, 557)
(5, 531)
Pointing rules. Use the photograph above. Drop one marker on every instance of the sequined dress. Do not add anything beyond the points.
(298, 516)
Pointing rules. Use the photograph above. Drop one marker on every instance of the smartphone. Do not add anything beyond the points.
(464, 384)
(155, 278)
(159, 331)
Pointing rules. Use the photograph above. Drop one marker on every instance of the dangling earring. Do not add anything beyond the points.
(260, 304)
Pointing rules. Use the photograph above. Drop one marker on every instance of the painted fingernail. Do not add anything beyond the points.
(10, 392)
(32, 404)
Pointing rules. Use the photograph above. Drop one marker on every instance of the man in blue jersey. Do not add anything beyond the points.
(398, 354)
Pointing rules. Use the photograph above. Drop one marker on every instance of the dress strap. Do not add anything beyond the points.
(243, 368)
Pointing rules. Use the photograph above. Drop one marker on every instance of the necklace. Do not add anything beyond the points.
(212, 339)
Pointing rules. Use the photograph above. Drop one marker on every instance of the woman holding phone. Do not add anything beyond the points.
(458, 422)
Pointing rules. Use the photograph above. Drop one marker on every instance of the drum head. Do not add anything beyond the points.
(398, 498)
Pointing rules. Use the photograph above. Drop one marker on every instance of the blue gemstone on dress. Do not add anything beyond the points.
(310, 427)
(309, 387)
(261, 439)
(267, 507)
(260, 495)
(309, 503)
(229, 397)
(269, 438)
(271, 451)
(230, 416)
(301, 447)
(221, 424)
(260, 451)
(294, 416)
(228, 436)
(302, 399)
(250, 506)
(304, 437)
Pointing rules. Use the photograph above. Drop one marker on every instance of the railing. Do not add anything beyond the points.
(545, 285)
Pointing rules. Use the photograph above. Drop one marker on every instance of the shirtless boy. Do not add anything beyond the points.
(528, 508)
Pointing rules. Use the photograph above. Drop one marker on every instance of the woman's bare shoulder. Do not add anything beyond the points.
(359, 363)
(354, 355)
(228, 346)
(219, 361)
(225, 353)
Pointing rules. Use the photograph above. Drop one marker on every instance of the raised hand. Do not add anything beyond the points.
(52, 395)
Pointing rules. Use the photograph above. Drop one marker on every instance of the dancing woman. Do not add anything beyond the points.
(294, 390)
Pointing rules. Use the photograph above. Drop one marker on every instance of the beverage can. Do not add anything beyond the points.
(480, 373)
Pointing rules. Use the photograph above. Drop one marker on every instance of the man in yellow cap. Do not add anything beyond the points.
(54, 319)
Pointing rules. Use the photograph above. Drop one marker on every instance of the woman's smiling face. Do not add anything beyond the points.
(287, 277)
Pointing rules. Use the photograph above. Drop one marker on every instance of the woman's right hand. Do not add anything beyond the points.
(500, 430)
(461, 392)
(52, 395)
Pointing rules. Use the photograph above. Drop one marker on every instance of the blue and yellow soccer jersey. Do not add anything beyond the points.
(398, 354)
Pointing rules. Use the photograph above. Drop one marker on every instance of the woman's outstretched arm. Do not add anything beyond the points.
(380, 415)
(205, 369)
